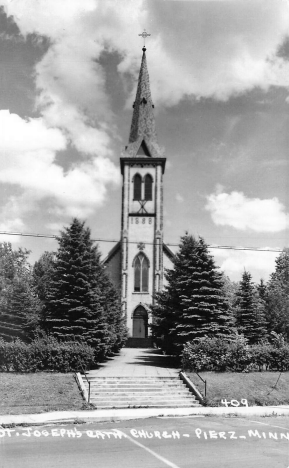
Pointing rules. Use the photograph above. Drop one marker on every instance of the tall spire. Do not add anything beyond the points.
(143, 119)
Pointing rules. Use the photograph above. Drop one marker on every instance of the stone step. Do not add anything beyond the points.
(129, 402)
(138, 392)
(155, 386)
(139, 343)
(133, 391)
(134, 400)
(140, 395)
(132, 379)
(149, 405)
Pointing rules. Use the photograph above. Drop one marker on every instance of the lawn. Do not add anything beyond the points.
(38, 392)
(257, 387)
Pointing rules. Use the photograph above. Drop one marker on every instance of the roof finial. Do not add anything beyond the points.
(144, 35)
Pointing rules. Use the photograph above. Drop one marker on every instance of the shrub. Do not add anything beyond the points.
(238, 356)
(261, 356)
(279, 358)
(45, 354)
(234, 355)
(205, 354)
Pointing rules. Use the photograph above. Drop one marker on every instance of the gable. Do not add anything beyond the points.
(143, 150)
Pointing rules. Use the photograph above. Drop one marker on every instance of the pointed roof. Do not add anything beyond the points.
(143, 119)
(143, 137)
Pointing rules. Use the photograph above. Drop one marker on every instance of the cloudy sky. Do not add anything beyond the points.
(219, 73)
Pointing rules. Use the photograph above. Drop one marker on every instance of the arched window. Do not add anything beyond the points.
(137, 187)
(148, 187)
(140, 312)
(141, 273)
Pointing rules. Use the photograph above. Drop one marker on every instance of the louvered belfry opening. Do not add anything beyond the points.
(148, 187)
(137, 187)
(141, 273)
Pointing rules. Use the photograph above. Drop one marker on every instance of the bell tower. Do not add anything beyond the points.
(142, 167)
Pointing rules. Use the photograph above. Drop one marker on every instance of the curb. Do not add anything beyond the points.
(58, 417)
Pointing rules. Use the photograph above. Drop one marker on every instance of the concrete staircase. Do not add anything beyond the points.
(139, 392)
(139, 343)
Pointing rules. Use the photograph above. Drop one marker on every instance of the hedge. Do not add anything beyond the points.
(219, 354)
(45, 355)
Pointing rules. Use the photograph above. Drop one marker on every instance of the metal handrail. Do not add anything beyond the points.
(205, 382)
(88, 382)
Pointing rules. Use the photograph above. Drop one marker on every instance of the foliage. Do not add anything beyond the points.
(42, 277)
(250, 311)
(230, 289)
(80, 301)
(45, 354)
(216, 354)
(192, 305)
(277, 296)
(19, 306)
(235, 355)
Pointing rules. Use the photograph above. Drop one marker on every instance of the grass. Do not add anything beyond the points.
(257, 387)
(38, 393)
(41, 392)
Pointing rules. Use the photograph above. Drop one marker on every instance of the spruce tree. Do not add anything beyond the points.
(192, 304)
(42, 277)
(75, 303)
(19, 307)
(277, 297)
(250, 311)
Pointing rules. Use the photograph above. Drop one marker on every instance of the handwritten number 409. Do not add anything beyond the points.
(227, 403)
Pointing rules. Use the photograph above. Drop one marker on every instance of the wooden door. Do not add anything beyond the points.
(139, 330)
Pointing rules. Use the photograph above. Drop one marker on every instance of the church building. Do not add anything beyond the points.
(136, 263)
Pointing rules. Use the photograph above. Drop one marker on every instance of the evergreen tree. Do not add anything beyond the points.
(19, 307)
(77, 294)
(114, 316)
(192, 304)
(277, 296)
(262, 290)
(250, 311)
(42, 277)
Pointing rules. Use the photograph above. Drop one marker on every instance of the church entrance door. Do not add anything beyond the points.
(140, 320)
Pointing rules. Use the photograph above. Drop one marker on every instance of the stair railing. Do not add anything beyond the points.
(88, 382)
(205, 382)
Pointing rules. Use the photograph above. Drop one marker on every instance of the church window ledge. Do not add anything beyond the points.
(140, 292)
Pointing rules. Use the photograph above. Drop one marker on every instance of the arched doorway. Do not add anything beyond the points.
(140, 323)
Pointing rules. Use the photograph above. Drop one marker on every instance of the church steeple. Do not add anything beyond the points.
(143, 119)
(143, 137)
(137, 262)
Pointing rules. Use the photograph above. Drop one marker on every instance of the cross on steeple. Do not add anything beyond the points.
(144, 35)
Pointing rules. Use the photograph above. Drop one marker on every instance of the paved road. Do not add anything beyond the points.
(191, 442)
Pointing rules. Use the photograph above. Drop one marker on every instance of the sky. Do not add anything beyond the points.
(219, 74)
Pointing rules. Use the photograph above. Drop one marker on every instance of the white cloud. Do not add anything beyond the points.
(214, 49)
(240, 212)
(27, 159)
(233, 263)
(179, 198)
(11, 217)
(19, 135)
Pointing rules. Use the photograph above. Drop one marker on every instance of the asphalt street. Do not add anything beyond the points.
(193, 442)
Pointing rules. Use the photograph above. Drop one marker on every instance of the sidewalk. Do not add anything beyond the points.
(62, 417)
(134, 362)
(137, 362)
